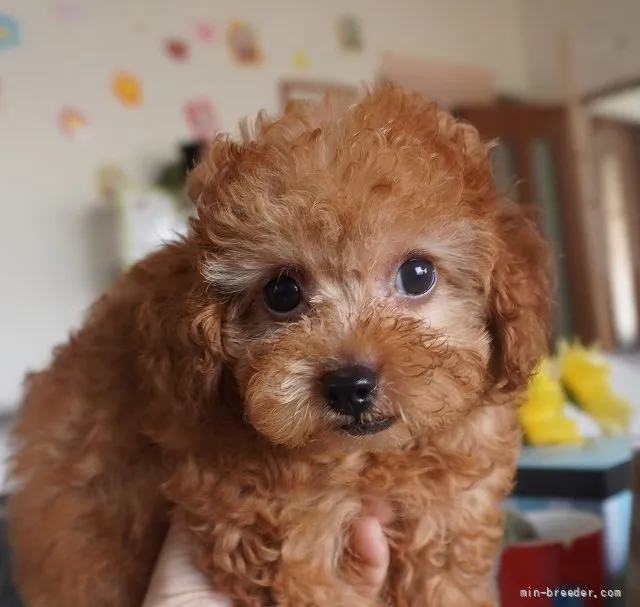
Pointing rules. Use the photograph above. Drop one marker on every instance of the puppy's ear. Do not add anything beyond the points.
(219, 163)
(520, 298)
(177, 335)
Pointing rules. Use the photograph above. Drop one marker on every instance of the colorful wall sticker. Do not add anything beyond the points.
(205, 31)
(201, 118)
(74, 123)
(176, 49)
(243, 43)
(9, 32)
(300, 60)
(349, 33)
(127, 88)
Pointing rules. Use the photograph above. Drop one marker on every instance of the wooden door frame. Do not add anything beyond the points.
(578, 234)
(631, 160)
(622, 138)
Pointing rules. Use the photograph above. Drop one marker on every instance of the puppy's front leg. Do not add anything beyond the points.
(449, 571)
(447, 557)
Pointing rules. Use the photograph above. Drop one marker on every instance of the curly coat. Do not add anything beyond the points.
(182, 393)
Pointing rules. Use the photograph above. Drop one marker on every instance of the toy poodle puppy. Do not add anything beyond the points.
(353, 315)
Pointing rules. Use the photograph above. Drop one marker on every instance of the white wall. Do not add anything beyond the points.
(605, 38)
(47, 183)
(623, 106)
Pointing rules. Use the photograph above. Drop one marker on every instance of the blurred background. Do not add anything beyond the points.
(104, 104)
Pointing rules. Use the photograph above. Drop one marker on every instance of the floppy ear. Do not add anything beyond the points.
(177, 339)
(520, 298)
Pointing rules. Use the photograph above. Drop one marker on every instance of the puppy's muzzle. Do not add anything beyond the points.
(350, 390)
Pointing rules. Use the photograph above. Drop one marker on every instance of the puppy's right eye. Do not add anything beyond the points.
(416, 277)
(283, 294)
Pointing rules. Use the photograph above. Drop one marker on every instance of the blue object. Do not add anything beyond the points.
(599, 454)
(9, 32)
(569, 600)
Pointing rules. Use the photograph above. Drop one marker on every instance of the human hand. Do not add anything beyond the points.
(176, 582)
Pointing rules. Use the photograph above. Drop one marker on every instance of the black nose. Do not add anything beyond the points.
(349, 390)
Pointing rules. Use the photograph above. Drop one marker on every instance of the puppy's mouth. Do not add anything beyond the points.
(362, 427)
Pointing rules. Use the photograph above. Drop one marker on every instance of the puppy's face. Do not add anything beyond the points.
(352, 254)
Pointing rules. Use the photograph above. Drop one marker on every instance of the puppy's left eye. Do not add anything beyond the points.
(416, 276)
(283, 294)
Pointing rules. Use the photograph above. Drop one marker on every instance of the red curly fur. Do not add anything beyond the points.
(181, 392)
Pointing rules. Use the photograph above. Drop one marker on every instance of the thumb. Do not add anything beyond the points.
(176, 581)
(370, 545)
